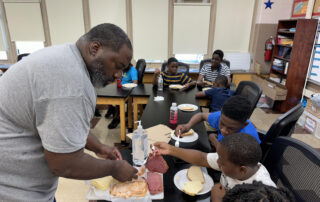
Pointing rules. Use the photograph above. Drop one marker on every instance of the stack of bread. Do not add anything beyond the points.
(103, 183)
(196, 183)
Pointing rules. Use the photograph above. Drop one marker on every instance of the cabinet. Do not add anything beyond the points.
(290, 58)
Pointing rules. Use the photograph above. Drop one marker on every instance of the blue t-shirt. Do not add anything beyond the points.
(129, 76)
(218, 97)
(214, 118)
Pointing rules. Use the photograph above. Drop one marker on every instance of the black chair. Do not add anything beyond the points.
(141, 67)
(22, 55)
(296, 166)
(206, 61)
(182, 67)
(283, 126)
(251, 91)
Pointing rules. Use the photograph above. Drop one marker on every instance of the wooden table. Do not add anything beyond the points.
(111, 95)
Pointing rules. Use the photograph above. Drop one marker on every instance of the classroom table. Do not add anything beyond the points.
(158, 113)
(112, 95)
(140, 95)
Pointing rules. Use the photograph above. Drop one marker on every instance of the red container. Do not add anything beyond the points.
(119, 83)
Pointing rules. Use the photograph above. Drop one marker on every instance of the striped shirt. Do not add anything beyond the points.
(210, 75)
(179, 78)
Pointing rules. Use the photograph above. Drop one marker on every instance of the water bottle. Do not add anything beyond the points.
(174, 114)
(139, 146)
(160, 83)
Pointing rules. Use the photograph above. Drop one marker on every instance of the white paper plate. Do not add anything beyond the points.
(129, 85)
(176, 86)
(195, 108)
(180, 178)
(205, 89)
(189, 138)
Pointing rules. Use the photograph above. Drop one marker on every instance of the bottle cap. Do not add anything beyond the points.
(174, 104)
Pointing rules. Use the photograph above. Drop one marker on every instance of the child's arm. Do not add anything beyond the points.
(200, 80)
(190, 84)
(217, 193)
(194, 157)
(155, 77)
(195, 119)
(213, 140)
(200, 94)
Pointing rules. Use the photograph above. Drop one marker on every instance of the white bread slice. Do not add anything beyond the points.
(195, 174)
(192, 187)
(190, 132)
(102, 183)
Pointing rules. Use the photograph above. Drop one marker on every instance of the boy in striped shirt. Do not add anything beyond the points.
(172, 76)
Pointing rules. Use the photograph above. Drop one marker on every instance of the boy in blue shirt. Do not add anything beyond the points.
(218, 94)
(129, 75)
(233, 118)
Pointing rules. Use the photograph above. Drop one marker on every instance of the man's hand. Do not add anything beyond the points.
(123, 171)
(183, 128)
(108, 152)
(213, 140)
(217, 193)
(162, 148)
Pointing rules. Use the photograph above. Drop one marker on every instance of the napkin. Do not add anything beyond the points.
(158, 98)
(158, 133)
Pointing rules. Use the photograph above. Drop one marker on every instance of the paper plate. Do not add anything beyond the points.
(189, 138)
(129, 85)
(176, 86)
(183, 107)
(181, 178)
(205, 89)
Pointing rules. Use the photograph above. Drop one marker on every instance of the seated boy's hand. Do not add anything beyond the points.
(217, 193)
(157, 71)
(213, 140)
(162, 148)
(181, 129)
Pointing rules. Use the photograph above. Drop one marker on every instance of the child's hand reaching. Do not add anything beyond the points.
(162, 148)
(217, 193)
(157, 71)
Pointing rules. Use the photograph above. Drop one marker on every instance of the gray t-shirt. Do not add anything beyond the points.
(46, 101)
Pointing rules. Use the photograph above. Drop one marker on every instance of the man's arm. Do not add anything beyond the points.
(101, 150)
(82, 166)
(194, 157)
(195, 119)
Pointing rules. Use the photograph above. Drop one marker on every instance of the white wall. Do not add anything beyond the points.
(233, 25)
(281, 9)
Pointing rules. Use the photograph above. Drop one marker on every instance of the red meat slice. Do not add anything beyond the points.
(155, 184)
(156, 163)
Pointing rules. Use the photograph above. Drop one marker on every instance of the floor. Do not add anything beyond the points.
(76, 190)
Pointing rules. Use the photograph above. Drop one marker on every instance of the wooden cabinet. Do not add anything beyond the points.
(290, 59)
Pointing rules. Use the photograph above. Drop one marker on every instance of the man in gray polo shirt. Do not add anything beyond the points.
(46, 103)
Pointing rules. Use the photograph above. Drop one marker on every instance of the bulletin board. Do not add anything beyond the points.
(299, 8)
(316, 8)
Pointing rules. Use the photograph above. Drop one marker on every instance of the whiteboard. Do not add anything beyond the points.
(314, 74)
(239, 61)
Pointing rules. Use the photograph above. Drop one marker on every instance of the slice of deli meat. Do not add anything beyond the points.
(156, 163)
(155, 183)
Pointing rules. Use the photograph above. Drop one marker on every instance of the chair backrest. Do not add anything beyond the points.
(295, 165)
(283, 126)
(251, 91)
(141, 67)
(206, 61)
(182, 67)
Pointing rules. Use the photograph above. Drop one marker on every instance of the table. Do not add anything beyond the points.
(158, 113)
(112, 95)
(171, 192)
(140, 95)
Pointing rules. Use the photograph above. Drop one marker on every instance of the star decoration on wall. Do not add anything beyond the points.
(268, 4)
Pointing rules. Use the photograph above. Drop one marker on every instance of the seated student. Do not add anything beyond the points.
(254, 192)
(172, 76)
(218, 94)
(233, 118)
(209, 72)
(237, 158)
(129, 75)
